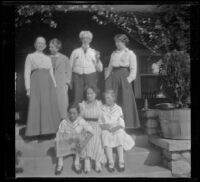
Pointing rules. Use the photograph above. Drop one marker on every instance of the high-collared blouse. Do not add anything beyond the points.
(34, 61)
(112, 115)
(124, 58)
(85, 63)
(78, 125)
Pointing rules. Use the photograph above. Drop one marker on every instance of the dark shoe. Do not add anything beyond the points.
(111, 167)
(59, 170)
(121, 166)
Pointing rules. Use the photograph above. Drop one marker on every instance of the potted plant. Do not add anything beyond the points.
(174, 117)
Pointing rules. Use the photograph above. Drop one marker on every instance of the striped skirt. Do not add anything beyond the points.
(94, 149)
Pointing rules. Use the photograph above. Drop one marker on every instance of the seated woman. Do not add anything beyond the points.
(90, 110)
(73, 135)
(113, 134)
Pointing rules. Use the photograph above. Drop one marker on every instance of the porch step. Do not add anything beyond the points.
(45, 166)
(137, 155)
(38, 160)
(140, 138)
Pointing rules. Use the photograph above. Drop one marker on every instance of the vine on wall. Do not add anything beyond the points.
(160, 32)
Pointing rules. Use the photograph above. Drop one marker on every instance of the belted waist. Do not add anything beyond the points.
(91, 119)
(120, 67)
(39, 69)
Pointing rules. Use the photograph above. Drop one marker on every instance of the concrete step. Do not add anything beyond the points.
(45, 166)
(34, 149)
(140, 138)
(137, 155)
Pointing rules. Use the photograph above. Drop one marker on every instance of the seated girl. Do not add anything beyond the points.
(113, 133)
(72, 136)
(90, 110)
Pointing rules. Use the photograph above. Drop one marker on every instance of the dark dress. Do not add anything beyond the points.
(43, 115)
(123, 89)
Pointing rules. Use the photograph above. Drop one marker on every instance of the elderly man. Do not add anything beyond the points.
(85, 62)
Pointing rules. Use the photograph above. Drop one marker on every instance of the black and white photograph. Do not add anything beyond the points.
(102, 90)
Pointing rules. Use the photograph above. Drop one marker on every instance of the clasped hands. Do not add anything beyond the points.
(109, 128)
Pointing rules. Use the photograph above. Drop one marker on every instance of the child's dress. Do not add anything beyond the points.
(114, 117)
(94, 149)
(69, 134)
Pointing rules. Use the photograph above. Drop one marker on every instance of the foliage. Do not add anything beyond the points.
(160, 32)
(165, 33)
(176, 80)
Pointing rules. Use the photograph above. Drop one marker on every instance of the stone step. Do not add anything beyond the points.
(45, 166)
(138, 155)
(34, 149)
(140, 138)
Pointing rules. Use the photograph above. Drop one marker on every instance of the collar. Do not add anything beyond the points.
(88, 48)
(40, 53)
(55, 55)
(124, 50)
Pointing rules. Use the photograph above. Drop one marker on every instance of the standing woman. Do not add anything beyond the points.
(40, 84)
(85, 63)
(62, 73)
(121, 72)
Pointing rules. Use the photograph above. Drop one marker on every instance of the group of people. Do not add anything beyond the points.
(47, 80)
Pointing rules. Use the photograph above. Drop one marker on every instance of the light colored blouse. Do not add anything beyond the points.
(90, 111)
(85, 63)
(112, 115)
(34, 61)
(124, 58)
(78, 125)
(62, 69)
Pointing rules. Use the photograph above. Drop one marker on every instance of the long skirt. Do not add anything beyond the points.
(43, 114)
(125, 96)
(62, 95)
(79, 82)
(118, 138)
(94, 149)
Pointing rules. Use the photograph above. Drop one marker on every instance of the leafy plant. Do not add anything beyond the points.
(176, 80)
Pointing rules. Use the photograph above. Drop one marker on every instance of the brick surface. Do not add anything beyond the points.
(187, 155)
(178, 167)
(172, 155)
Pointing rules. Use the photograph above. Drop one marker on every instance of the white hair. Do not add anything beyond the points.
(85, 33)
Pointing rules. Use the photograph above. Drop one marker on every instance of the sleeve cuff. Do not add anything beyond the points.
(129, 79)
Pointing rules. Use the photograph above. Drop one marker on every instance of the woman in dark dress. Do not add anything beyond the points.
(119, 76)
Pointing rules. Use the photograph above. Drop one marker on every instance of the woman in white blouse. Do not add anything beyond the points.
(43, 114)
(119, 76)
(85, 62)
